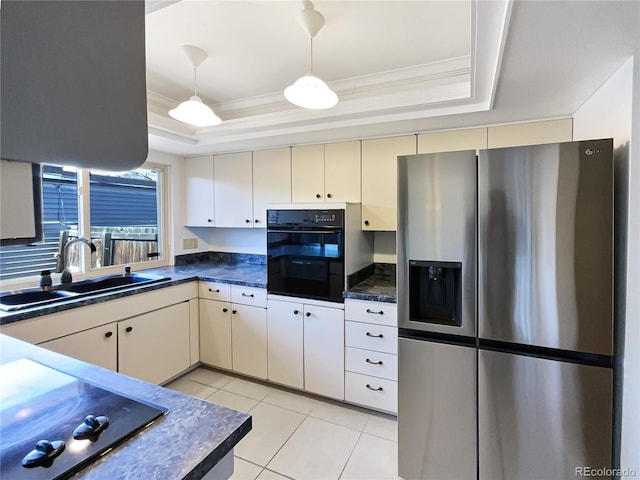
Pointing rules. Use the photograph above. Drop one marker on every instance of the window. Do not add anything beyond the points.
(123, 219)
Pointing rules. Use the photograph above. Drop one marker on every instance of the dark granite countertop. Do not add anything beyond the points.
(376, 288)
(247, 274)
(198, 433)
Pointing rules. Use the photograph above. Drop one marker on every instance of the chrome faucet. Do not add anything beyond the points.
(66, 273)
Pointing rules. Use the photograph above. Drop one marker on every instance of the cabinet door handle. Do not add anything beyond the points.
(217, 290)
(247, 294)
(128, 329)
(328, 195)
(234, 311)
(295, 312)
(308, 314)
(373, 363)
(366, 222)
(210, 220)
(318, 195)
(225, 310)
(257, 221)
(247, 221)
(369, 334)
(108, 334)
(379, 389)
(377, 313)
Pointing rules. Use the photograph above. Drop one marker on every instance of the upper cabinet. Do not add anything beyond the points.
(533, 133)
(233, 174)
(74, 83)
(199, 191)
(452, 140)
(271, 181)
(326, 173)
(380, 178)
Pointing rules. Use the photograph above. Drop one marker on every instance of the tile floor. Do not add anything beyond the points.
(299, 436)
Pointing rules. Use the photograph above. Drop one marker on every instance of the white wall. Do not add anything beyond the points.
(613, 112)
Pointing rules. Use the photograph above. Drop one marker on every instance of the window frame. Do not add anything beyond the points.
(84, 229)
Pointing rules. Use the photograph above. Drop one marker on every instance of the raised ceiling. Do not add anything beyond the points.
(397, 66)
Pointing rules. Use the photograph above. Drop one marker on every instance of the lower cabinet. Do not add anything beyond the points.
(306, 347)
(233, 328)
(249, 340)
(155, 346)
(371, 348)
(98, 346)
(215, 333)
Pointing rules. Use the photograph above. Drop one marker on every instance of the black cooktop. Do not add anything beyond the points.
(54, 424)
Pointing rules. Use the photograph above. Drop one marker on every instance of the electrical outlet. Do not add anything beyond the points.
(189, 243)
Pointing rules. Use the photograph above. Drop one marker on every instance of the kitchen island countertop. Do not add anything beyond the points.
(184, 444)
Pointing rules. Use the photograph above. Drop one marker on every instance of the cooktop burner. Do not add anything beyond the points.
(54, 424)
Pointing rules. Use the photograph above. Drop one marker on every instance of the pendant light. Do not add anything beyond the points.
(193, 111)
(309, 91)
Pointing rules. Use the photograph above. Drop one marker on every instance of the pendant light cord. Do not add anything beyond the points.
(195, 81)
(311, 56)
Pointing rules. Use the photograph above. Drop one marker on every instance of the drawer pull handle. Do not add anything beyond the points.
(295, 312)
(373, 363)
(377, 313)
(379, 389)
(108, 334)
(128, 329)
(247, 294)
(225, 310)
(217, 290)
(369, 334)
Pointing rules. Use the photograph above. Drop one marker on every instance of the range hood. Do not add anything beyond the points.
(74, 83)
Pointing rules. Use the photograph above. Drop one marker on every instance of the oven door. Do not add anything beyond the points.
(306, 263)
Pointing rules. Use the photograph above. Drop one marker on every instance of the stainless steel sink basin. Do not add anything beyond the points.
(36, 297)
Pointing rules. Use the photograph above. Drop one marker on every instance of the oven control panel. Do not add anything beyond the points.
(305, 218)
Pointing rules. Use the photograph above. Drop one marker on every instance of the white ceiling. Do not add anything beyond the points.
(397, 66)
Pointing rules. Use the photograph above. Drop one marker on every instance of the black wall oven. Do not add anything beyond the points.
(305, 252)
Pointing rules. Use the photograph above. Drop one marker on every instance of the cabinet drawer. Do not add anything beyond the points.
(368, 362)
(371, 337)
(373, 392)
(380, 313)
(215, 291)
(249, 296)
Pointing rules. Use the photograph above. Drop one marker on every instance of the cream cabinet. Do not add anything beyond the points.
(323, 351)
(326, 173)
(380, 178)
(305, 349)
(285, 340)
(453, 140)
(163, 319)
(531, 133)
(233, 328)
(371, 360)
(215, 333)
(98, 346)
(199, 192)
(154, 347)
(271, 181)
(233, 174)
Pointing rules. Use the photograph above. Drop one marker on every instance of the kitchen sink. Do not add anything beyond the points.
(111, 282)
(36, 297)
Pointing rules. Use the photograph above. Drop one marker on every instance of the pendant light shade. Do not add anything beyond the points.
(309, 91)
(196, 113)
(193, 111)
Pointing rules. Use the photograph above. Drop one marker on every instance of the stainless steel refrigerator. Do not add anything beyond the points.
(505, 300)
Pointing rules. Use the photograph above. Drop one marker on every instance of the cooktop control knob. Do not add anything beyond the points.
(43, 454)
(91, 427)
